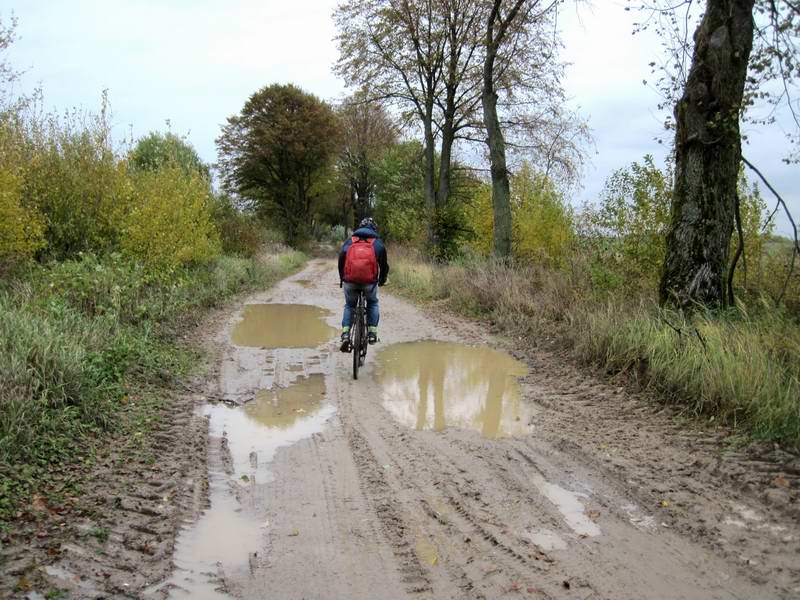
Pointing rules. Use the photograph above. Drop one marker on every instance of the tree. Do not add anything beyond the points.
(367, 133)
(276, 150)
(739, 49)
(521, 92)
(421, 56)
(158, 150)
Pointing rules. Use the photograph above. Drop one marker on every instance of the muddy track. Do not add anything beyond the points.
(315, 491)
(606, 496)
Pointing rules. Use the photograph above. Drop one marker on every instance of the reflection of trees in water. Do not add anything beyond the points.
(466, 386)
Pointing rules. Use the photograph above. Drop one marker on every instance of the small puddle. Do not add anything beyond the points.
(569, 505)
(433, 385)
(284, 407)
(282, 326)
(227, 534)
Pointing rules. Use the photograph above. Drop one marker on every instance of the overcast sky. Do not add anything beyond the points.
(195, 62)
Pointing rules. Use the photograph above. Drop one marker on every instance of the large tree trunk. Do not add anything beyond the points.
(501, 190)
(430, 177)
(707, 157)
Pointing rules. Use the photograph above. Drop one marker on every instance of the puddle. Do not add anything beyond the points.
(569, 505)
(284, 407)
(282, 326)
(227, 534)
(433, 385)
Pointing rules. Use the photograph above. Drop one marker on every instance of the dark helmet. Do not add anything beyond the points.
(369, 223)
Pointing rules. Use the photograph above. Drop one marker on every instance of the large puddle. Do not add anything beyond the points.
(434, 385)
(282, 326)
(228, 534)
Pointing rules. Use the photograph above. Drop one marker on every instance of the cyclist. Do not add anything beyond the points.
(362, 265)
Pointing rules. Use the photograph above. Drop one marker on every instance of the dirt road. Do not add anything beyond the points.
(321, 487)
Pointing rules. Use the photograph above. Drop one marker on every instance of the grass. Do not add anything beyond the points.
(78, 338)
(740, 367)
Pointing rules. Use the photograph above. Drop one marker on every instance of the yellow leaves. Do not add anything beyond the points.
(780, 481)
(542, 225)
(21, 228)
(168, 223)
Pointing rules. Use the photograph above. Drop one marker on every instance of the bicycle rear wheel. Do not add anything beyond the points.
(355, 341)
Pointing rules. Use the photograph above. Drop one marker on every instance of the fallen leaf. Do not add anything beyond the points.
(664, 503)
(780, 481)
(38, 503)
(532, 590)
(593, 514)
(294, 533)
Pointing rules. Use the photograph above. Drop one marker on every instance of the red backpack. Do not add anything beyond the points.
(361, 262)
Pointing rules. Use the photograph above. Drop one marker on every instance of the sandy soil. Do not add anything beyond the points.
(603, 495)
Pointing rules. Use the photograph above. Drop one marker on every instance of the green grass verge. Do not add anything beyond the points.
(740, 368)
(78, 338)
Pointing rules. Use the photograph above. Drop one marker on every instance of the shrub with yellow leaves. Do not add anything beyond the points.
(21, 227)
(542, 229)
(169, 221)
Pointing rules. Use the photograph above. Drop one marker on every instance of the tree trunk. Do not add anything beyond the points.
(430, 185)
(445, 159)
(708, 157)
(501, 190)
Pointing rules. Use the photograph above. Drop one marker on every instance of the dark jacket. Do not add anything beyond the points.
(380, 253)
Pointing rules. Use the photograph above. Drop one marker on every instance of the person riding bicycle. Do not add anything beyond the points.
(362, 266)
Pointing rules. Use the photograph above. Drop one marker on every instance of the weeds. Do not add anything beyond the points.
(81, 337)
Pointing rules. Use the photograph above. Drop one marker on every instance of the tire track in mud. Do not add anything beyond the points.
(470, 520)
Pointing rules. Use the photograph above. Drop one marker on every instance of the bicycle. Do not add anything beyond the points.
(358, 334)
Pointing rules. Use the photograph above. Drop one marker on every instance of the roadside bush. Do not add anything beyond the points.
(241, 234)
(157, 151)
(542, 227)
(21, 227)
(169, 222)
(78, 337)
(626, 232)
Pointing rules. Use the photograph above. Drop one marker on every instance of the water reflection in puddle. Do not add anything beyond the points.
(433, 385)
(284, 407)
(282, 326)
(227, 534)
